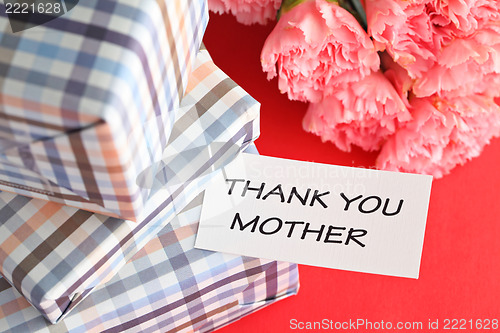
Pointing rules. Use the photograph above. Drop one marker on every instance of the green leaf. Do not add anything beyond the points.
(287, 5)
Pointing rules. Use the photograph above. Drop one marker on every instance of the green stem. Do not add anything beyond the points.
(356, 9)
(287, 5)
(361, 12)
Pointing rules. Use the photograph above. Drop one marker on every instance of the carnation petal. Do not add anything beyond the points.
(362, 113)
(247, 11)
(316, 46)
(444, 132)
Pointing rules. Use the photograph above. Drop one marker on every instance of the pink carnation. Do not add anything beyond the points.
(464, 16)
(362, 113)
(443, 133)
(437, 41)
(463, 64)
(316, 46)
(247, 11)
(403, 28)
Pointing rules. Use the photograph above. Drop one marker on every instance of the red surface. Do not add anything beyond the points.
(460, 270)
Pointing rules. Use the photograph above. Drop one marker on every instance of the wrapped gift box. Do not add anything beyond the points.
(167, 287)
(87, 100)
(55, 255)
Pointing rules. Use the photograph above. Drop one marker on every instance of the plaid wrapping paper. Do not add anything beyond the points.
(55, 255)
(167, 287)
(87, 100)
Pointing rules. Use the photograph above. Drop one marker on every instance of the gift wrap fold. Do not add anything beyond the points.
(167, 287)
(87, 100)
(55, 255)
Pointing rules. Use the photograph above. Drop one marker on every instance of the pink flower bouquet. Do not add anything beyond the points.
(417, 79)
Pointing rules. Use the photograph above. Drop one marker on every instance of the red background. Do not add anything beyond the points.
(460, 270)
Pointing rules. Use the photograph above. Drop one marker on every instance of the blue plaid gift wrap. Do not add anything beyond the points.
(167, 287)
(87, 100)
(55, 255)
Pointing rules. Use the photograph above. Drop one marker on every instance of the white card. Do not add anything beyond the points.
(316, 214)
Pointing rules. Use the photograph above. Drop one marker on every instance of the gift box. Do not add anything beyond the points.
(55, 255)
(167, 287)
(87, 100)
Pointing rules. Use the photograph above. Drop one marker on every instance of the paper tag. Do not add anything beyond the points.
(316, 214)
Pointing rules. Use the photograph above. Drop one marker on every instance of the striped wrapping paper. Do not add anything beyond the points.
(55, 255)
(167, 287)
(87, 100)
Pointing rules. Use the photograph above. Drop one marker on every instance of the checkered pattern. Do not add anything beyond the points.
(87, 100)
(167, 287)
(55, 254)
